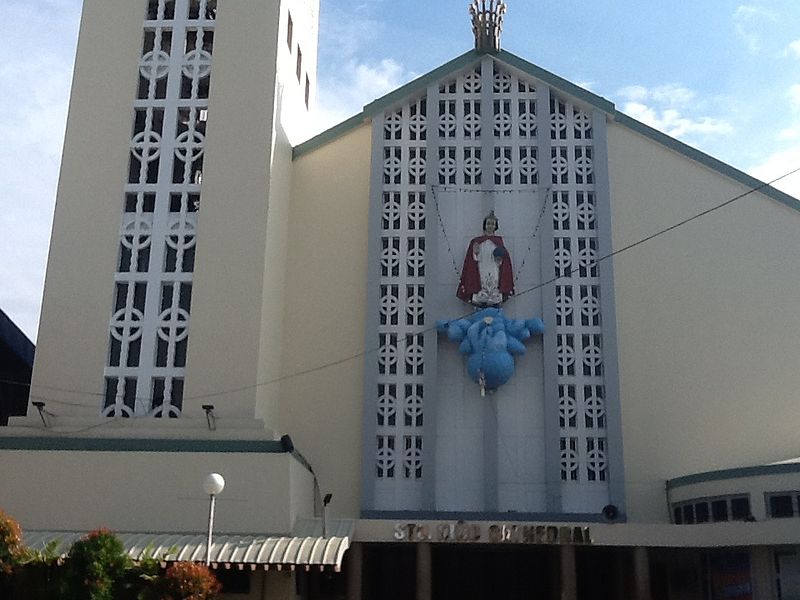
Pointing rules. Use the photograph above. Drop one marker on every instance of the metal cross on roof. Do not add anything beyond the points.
(487, 23)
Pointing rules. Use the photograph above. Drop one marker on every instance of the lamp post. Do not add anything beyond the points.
(213, 485)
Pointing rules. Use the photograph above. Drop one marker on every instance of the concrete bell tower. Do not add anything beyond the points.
(164, 282)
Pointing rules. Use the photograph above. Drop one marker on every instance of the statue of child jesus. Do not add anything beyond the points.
(486, 278)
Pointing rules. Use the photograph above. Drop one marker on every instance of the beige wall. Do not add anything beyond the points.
(270, 359)
(254, 113)
(79, 285)
(152, 491)
(324, 322)
(224, 342)
(707, 322)
(292, 124)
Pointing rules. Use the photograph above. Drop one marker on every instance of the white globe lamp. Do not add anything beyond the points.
(213, 485)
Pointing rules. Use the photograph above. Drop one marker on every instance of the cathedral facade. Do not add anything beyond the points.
(467, 312)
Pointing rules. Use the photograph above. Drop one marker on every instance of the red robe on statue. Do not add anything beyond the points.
(471, 278)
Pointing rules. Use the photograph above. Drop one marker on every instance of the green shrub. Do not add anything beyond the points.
(190, 581)
(95, 567)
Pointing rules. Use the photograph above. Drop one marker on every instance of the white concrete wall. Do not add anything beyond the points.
(707, 321)
(291, 118)
(242, 267)
(152, 491)
(224, 341)
(515, 412)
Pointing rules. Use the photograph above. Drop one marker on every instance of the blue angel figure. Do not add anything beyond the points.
(490, 340)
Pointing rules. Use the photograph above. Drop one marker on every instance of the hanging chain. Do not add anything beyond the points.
(444, 233)
(533, 236)
(447, 241)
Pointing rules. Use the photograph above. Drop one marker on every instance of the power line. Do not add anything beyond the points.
(522, 293)
(567, 273)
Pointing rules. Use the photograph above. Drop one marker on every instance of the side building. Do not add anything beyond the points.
(16, 365)
(466, 313)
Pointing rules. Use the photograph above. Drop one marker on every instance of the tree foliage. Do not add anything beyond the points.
(95, 567)
(190, 581)
(11, 548)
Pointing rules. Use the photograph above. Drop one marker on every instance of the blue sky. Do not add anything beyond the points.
(721, 75)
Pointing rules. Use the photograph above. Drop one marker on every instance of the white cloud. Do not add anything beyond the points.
(669, 108)
(789, 134)
(346, 30)
(357, 84)
(749, 21)
(794, 96)
(794, 48)
(356, 78)
(672, 95)
(778, 164)
(634, 93)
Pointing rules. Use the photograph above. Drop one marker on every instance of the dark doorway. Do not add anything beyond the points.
(390, 571)
(467, 573)
(597, 574)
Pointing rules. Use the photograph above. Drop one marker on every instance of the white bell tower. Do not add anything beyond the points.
(176, 169)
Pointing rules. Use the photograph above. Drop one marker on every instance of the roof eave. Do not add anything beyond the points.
(381, 104)
(420, 83)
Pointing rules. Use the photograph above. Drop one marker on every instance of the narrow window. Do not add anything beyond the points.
(719, 510)
(299, 63)
(780, 506)
(740, 509)
(688, 514)
(308, 90)
(289, 32)
(701, 512)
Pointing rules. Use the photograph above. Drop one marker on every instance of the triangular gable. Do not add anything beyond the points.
(559, 84)
(460, 63)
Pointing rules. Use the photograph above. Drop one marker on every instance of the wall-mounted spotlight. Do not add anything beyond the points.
(42, 412)
(211, 418)
(287, 443)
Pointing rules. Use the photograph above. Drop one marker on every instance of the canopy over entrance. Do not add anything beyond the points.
(227, 551)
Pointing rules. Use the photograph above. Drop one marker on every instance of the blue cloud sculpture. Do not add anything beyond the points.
(490, 341)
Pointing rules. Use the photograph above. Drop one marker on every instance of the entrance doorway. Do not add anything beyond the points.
(465, 573)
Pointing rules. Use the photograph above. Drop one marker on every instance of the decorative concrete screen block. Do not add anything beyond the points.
(399, 394)
(149, 325)
(486, 140)
(578, 322)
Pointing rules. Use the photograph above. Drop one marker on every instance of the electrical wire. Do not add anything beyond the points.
(567, 273)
